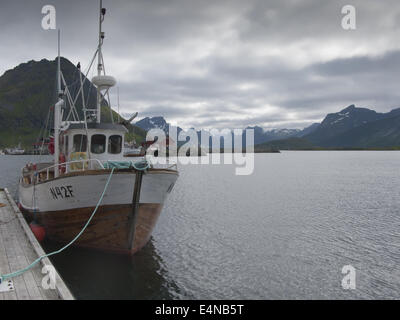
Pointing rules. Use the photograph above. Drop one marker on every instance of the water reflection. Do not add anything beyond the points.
(284, 232)
(97, 275)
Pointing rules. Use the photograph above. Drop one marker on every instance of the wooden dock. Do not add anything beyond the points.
(18, 249)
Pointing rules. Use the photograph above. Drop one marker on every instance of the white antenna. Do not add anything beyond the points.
(99, 59)
(103, 82)
(58, 113)
(59, 68)
(118, 103)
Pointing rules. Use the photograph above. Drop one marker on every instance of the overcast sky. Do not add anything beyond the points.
(203, 64)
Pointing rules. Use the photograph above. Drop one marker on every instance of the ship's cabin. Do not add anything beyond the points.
(101, 141)
(80, 149)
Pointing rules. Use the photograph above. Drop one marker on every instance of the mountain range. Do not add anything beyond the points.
(28, 91)
(260, 135)
(358, 128)
(351, 127)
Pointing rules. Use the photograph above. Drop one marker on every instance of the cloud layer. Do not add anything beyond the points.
(223, 63)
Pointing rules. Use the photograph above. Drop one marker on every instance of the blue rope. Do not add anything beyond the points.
(19, 272)
(141, 165)
(138, 165)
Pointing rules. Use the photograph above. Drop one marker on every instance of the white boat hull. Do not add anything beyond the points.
(63, 205)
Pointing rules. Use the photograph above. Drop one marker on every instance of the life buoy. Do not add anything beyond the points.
(61, 161)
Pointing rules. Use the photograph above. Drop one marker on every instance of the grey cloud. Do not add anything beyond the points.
(223, 63)
(385, 65)
(171, 111)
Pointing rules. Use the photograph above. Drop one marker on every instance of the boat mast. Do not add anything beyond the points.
(102, 81)
(58, 69)
(57, 113)
(99, 59)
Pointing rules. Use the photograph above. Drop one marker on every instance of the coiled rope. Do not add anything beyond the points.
(142, 165)
(19, 272)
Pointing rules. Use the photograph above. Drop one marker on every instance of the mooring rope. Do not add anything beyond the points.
(19, 272)
(141, 165)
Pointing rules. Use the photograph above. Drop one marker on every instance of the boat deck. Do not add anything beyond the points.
(19, 248)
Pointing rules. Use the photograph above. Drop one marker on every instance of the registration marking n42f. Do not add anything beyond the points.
(62, 192)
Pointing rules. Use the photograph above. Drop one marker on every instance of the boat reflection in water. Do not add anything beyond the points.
(93, 274)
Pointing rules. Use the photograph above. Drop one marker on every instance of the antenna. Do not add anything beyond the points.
(118, 103)
(59, 93)
(58, 113)
(101, 37)
(102, 13)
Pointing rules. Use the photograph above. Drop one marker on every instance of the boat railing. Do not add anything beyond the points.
(47, 173)
(70, 166)
(173, 166)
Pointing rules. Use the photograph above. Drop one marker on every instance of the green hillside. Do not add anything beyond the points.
(29, 90)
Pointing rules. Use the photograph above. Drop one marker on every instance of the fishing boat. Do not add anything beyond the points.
(15, 151)
(62, 195)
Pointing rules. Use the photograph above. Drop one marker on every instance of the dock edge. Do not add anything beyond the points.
(63, 291)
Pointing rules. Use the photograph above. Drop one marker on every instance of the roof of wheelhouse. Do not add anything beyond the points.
(99, 126)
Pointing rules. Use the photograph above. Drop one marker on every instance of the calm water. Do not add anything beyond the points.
(284, 232)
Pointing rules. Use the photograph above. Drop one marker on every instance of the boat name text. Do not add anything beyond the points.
(62, 192)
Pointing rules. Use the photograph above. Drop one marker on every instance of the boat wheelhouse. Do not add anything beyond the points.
(102, 141)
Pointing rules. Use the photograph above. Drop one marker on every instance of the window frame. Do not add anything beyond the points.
(92, 144)
(109, 143)
(85, 143)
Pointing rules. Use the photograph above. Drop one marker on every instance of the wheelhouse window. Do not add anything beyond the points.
(98, 143)
(114, 144)
(80, 143)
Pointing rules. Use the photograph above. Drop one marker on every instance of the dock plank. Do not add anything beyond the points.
(13, 251)
(19, 248)
(36, 274)
(23, 261)
(4, 263)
